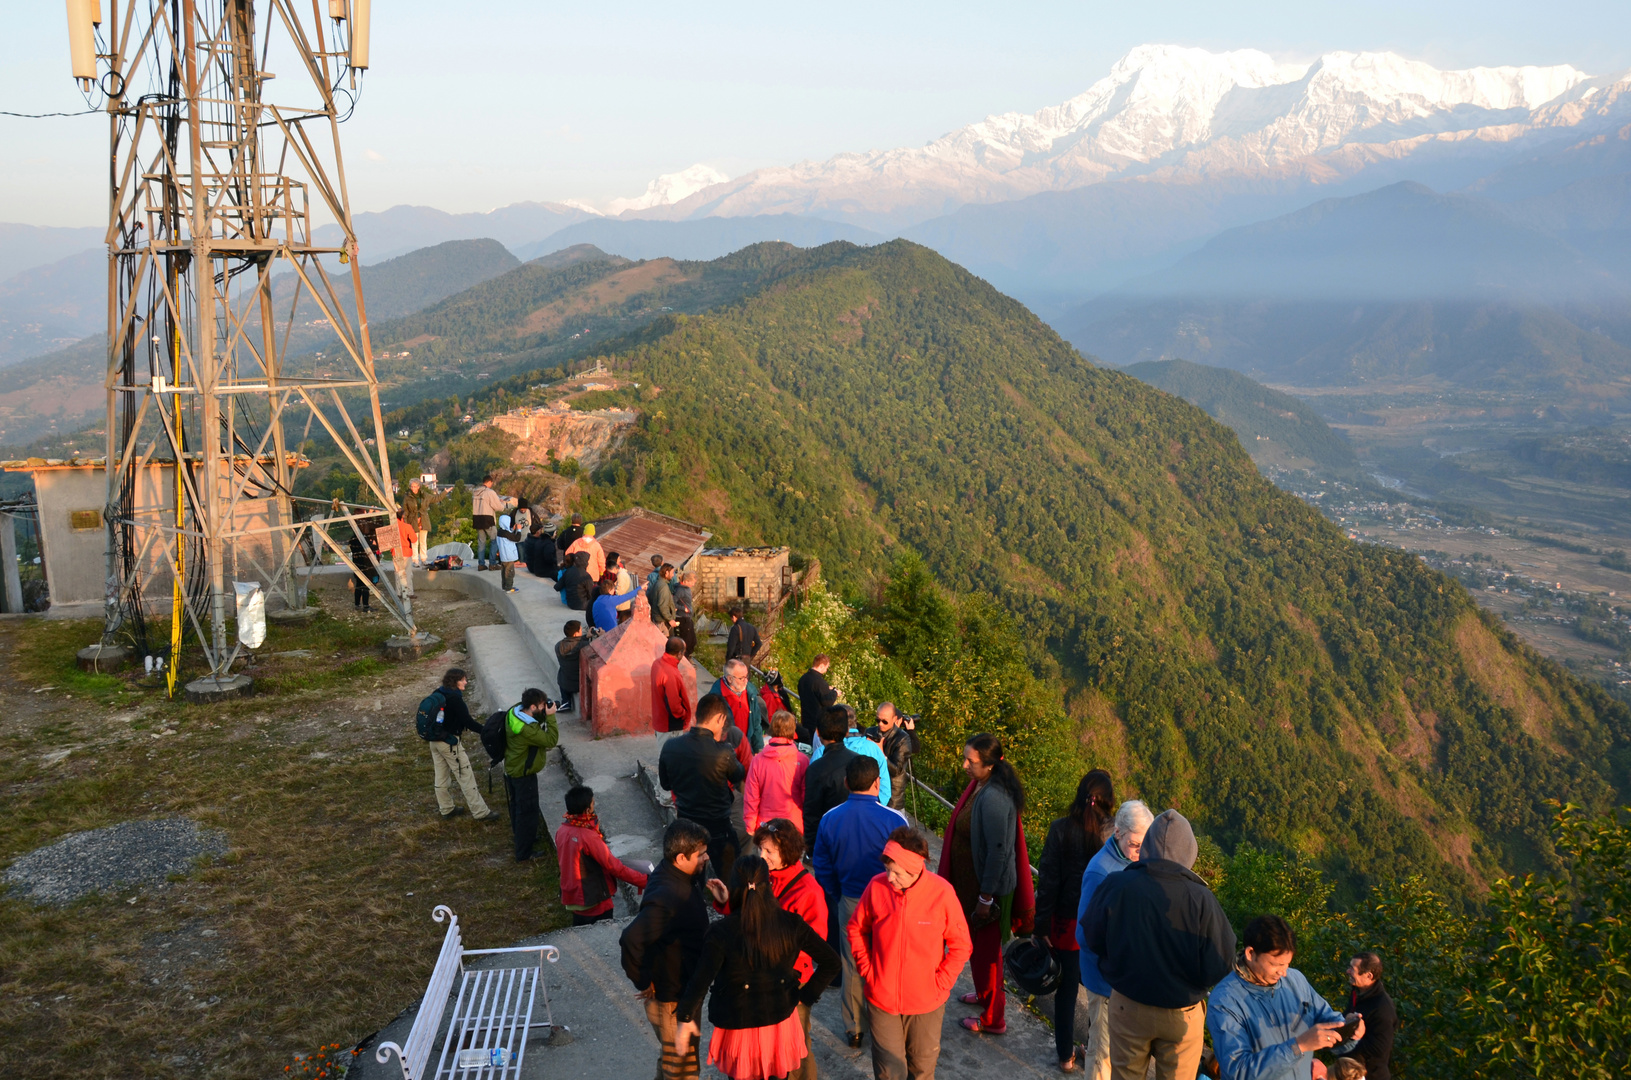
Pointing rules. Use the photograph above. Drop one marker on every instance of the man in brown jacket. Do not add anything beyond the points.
(485, 507)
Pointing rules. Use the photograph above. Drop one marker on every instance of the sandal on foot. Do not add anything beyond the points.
(970, 999)
(972, 1024)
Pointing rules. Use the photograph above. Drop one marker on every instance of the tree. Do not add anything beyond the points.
(1553, 996)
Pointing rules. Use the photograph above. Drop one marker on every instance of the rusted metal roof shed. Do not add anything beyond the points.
(638, 534)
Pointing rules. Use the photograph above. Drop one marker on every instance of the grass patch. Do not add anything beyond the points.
(327, 651)
(313, 930)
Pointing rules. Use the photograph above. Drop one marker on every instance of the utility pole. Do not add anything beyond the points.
(227, 199)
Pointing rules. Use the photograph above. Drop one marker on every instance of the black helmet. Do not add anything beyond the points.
(1031, 966)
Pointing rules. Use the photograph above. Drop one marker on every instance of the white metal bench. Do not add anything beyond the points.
(493, 1009)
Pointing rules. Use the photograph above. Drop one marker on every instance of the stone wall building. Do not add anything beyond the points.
(758, 578)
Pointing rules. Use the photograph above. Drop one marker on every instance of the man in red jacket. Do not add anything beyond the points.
(910, 940)
(671, 709)
(589, 870)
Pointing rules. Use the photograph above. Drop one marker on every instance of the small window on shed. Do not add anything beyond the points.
(741, 586)
(83, 520)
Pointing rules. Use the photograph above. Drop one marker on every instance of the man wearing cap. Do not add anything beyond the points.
(909, 942)
(597, 555)
(1162, 941)
(567, 536)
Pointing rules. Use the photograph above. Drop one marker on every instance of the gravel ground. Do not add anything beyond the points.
(130, 853)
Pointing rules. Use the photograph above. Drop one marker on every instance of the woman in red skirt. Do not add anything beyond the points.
(750, 957)
(781, 844)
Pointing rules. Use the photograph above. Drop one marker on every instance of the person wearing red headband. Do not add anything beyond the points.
(910, 941)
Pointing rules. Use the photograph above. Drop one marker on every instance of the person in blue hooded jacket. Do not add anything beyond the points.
(506, 552)
(604, 610)
(1266, 1021)
(1132, 821)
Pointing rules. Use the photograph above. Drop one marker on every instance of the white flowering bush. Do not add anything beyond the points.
(823, 623)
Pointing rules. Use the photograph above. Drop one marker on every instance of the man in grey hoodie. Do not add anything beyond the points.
(1163, 942)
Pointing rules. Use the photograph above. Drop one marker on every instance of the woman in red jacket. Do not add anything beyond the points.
(910, 941)
(781, 845)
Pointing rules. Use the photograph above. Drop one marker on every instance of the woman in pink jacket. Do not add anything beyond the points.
(775, 783)
(910, 942)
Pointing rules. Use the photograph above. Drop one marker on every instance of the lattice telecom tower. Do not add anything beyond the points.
(222, 174)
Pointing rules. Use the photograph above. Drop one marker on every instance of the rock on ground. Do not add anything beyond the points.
(100, 860)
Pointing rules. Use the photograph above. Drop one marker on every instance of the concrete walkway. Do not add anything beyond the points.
(607, 1035)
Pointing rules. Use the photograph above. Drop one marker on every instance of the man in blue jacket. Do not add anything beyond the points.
(861, 745)
(1120, 851)
(848, 855)
(1266, 1021)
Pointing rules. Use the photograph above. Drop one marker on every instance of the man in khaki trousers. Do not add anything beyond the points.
(1163, 942)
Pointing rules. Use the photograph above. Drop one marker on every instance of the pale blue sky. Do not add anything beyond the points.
(472, 106)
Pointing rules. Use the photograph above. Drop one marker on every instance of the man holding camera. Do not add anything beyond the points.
(896, 734)
(530, 732)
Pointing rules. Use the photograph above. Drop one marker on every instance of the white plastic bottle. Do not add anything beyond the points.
(496, 1058)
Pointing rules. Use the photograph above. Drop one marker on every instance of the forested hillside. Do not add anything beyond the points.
(1210, 639)
(1274, 428)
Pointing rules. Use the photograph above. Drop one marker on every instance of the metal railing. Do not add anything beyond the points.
(942, 800)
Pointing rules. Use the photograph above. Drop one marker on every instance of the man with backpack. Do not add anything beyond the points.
(528, 731)
(442, 718)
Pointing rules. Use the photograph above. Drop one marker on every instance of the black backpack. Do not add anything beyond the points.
(495, 737)
(428, 720)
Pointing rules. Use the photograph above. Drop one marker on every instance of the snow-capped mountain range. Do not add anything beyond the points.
(1170, 110)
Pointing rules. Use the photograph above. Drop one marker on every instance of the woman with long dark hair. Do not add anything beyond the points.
(781, 844)
(1072, 842)
(985, 859)
(750, 957)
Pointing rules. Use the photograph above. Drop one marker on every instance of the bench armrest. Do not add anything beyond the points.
(548, 952)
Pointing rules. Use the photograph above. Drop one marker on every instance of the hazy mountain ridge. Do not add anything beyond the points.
(62, 390)
(1394, 284)
(1275, 429)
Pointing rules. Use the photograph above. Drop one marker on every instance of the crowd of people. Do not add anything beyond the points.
(830, 883)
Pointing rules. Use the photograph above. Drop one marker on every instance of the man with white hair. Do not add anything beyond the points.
(1121, 850)
(747, 711)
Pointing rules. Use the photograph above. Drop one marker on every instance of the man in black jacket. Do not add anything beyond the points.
(743, 642)
(703, 772)
(663, 944)
(1162, 941)
(565, 537)
(576, 586)
(815, 698)
(896, 735)
(1370, 999)
(824, 783)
